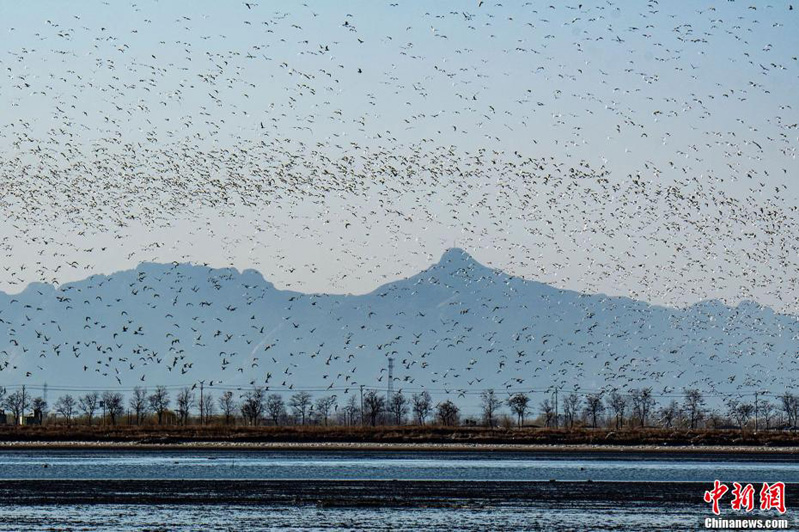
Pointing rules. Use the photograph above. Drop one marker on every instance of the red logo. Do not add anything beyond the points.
(772, 496)
(743, 498)
(715, 495)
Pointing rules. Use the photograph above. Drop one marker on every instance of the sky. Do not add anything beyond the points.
(646, 150)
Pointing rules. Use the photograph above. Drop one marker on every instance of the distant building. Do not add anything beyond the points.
(35, 419)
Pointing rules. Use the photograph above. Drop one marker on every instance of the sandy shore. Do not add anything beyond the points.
(362, 446)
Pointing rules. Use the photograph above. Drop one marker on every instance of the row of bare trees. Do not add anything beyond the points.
(253, 407)
(639, 408)
(89, 406)
(372, 409)
(635, 408)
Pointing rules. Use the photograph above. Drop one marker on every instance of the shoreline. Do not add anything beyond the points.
(399, 447)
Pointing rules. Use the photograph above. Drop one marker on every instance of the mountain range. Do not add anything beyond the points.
(455, 328)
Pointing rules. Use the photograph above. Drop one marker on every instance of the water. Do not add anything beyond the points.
(630, 490)
(349, 465)
(244, 518)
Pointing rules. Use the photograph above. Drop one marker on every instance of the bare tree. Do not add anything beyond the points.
(209, 408)
(398, 407)
(519, 404)
(300, 404)
(448, 413)
(571, 405)
(228, 405)
(643, 402)
(490, 403)
(252, 405)
(350, 410)
(138, 403)
(159, 402)
(374, 404)
(323, 407)
(113, 405)
(618, 404)
(422, 406)
(185, 402)
(795, 411)
(65, 407)
(40, 405)
(714, 420)
(669, 414)
(548, 409)
(744, 413)
(275, 408)
(694, 406)
(594, 407)
(766, 412)
(788, 404)
(88, 405)
(17, 402)
(740, 412)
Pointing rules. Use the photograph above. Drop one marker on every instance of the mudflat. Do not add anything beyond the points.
(348, 492)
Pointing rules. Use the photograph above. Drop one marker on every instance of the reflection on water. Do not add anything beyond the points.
(331, 465)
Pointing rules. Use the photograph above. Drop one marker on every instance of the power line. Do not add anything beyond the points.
(755, 393)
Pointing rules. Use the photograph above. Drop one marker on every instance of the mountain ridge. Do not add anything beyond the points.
(456, 327)
(446, 257)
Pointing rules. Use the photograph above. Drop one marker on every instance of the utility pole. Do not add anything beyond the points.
(361, 404)
(755, 411)
(556, 407)
(202, 412)
(23, 405)
(390, 390)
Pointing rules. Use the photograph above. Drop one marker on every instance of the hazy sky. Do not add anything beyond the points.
(144, 131)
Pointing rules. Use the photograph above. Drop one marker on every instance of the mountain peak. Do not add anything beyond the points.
(458, 257)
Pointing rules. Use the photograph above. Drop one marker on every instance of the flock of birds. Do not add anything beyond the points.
(632, 150)
(454, 329)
